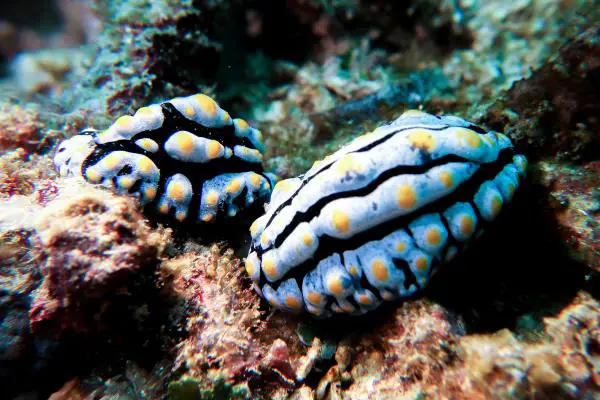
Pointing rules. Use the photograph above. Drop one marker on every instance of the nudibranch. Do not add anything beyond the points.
(374, 221)
(185, 158)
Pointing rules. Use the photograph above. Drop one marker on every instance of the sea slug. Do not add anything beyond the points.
(373, 221)
(185, 158)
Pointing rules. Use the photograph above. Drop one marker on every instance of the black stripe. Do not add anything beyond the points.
(367, 147)
(329, 245)
(175, 121)
(316, 208)
(197, 173)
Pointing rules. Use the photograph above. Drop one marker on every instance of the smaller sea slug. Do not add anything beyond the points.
(185, 158)
(374, 221)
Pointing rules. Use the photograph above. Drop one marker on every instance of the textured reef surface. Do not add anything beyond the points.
(140, 138)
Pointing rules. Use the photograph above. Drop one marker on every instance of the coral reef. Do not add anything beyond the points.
(564, 364)
(422, 353)
(74, 262)
(91, 245)
(20, 127)
(405, 354)
(572, 205)
(227, 339)
(553, 116)
(138, 54)
(96, 302)
(510, 39)
(554, 112)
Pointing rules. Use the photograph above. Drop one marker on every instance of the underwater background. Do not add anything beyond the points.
(99, 299)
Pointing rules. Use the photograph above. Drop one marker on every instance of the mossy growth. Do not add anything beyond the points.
(188, 388)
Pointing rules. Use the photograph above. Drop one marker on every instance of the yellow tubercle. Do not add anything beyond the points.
(341, 221)
(406, 196)
(208, 105)
(176, 191)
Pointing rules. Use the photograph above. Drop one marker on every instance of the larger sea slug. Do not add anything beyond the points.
(185, 158)
(373, 221)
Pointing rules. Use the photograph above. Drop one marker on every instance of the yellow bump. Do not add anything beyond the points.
(189, 111)
(147, 144)
(146, 165)
(496, 205)
(126, 182)
(102, 136)
(364, 300)
(471, 138)
(406, 196)
(314, 297)
(259, 135)
(254, 228)
(111, 161)
(307, 239)
(124, 122)
(400, 247)
(145, 111)
(264, 240)
(413, 113)
(180, 215)
(334, 285)
(215, 149)
(422, 139)
(433, 236)
(207, 217)
(149, 193)
(317, 163)
(347, 164)
(488, 140)
(292, 302)
(255, 180)
(176, 191)
(164, 208)
(422, 263)
(269, 267)
(92, 176)
(353, 270)
(226, 117)
(249, 267)
(234, 186)
(212, 198)
(185, 142)
(466, 225)
(242, 124)
(341, 222)
(380, 271)
(283, 186)
(446, 179)
(207, 104)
